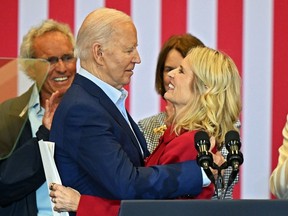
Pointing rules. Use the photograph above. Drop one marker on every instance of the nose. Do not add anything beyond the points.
(60, 66)
(171, 73)
(137, 58)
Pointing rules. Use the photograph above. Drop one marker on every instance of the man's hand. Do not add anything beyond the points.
(50, 106)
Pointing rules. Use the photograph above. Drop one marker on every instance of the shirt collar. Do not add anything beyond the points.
(34, 102)
(114, 94)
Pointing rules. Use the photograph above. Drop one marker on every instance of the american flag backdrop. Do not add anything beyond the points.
(253, 32)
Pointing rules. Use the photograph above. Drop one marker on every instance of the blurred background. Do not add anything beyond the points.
(253, 32)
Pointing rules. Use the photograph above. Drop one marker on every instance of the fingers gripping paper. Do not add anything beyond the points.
(50, 169)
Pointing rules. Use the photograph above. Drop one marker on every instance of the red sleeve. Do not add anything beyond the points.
(96, 206)
(179, 149)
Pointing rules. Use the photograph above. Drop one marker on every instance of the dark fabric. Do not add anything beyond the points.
(97, 153)
(21, 174)
(42, 133)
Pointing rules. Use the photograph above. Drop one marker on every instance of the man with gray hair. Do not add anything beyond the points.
(47, 47)
(100, 150)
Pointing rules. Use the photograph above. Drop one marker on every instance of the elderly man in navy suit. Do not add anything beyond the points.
(99, 148)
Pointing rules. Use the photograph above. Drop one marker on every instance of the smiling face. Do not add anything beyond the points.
(120, 56)
(173, 60)
(179, 91)
(61, 74)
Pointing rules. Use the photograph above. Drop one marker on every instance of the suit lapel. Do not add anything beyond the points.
(19, 106)
(13, 120)
(139, 135)
(96, 91)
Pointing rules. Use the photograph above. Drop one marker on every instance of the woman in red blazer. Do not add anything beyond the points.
(205, 91)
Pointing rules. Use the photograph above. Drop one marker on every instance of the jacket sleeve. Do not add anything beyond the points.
(22, 172)
(279, 177)
(106, 151)
(97, 206)
(182, 149)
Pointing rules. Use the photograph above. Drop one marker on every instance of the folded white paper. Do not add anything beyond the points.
(50, 169)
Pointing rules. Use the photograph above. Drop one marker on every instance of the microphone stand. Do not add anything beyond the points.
(219, 181)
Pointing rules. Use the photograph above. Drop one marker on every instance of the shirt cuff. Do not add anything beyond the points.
(206, 180)
(42, 133)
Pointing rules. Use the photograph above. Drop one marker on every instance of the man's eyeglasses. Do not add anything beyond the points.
(66, 58)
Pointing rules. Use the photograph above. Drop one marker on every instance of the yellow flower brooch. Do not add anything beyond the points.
(160, 130)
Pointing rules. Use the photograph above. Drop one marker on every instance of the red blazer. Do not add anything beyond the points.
(172, 149)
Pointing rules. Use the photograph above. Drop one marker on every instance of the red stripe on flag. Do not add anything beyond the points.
(9, 28)
(230, 41)
(230, 30)
(125, 6)
(173, 21)
(174, 18)
(8, 48)
(62, 11)
(280, 76)
(122, 5)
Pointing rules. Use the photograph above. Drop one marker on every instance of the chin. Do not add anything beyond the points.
(166, 95)
(127, 81)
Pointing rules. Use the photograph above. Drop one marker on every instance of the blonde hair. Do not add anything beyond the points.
(98, 26)
(216, 85)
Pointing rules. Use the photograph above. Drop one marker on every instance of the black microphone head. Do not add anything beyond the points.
(233, 145)
(232, 136)
(200, 137)
(204, 157)
(202, 145)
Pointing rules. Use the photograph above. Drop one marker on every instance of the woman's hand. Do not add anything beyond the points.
(64, 198)
(218, 158)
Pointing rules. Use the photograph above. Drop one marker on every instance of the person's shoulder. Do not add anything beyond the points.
(186, 135)
(19, 101)
(185, 138)
(155, 119)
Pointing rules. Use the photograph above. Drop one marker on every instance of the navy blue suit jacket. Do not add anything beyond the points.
(97, 153)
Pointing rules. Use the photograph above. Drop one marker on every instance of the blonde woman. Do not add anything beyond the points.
(205, 91)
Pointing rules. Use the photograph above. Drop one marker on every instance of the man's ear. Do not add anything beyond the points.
(97, 53)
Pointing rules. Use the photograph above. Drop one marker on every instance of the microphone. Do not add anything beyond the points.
(234, 157)
(204, 157)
